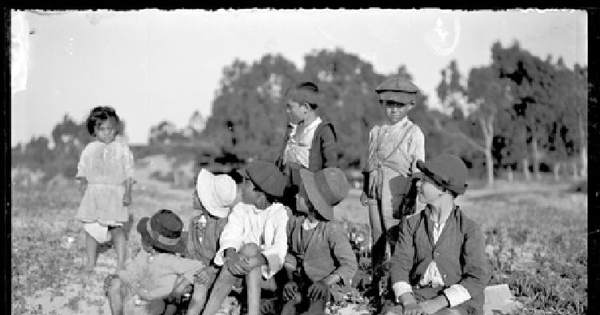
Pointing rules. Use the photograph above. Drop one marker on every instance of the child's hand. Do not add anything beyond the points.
(318, 291)
(373, 179)
(206, 275)
(232, 263)
(290, 291)
(363, 199)
(126, 199)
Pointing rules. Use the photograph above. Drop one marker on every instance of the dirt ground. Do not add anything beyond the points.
(83, 294)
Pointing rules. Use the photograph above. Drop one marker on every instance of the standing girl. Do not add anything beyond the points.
(105, 173)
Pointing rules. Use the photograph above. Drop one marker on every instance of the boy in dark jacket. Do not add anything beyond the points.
(310, 143)
(320, 258)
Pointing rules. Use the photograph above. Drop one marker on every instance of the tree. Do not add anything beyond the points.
(165, 132)
(248, 114)
(477, 104)
(349, 100)
(69, 139)
(533, 83)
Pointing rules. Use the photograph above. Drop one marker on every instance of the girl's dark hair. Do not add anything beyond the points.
(101, 114)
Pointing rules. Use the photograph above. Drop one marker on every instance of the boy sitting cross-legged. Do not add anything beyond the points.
(320, 258)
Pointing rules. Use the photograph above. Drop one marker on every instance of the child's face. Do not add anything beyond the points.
(303, 204)
(196, 201)
(253, 195)
(295, 111)
(428, 191)
(146, 246)
(395, 111)
(106, 131)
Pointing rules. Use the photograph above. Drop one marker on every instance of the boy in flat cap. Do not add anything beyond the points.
(311, 142)
(320, 258)
(254, 241)
(393, 149)
(439, 265)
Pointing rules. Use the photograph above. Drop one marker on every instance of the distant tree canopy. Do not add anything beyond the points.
(518, 108)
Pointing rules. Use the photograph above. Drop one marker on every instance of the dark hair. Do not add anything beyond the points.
(236, 176)
(304, 92)
(100, 114)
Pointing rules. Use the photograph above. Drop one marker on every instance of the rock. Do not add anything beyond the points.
(499, 298)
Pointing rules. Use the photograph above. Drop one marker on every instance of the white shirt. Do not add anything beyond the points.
(266, 228)
(299, 144)
(456, 293)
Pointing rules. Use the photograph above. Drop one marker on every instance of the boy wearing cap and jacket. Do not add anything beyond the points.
(320, 258)
(150, 277)
(439, 265)
(254, 240)
(393, 149)
(311, 143)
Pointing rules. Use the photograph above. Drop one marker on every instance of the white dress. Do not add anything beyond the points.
(106, 167)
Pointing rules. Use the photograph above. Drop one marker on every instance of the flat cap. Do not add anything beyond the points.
(397, 84)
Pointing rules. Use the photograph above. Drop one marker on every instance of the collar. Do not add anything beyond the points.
(443, 219)
(307, 225)
(313, 124)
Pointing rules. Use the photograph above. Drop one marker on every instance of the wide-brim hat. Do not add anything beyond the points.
(325, 189)
(446, 170)
(267, 177)
(216, 192)
(163, 230)
(398, 89)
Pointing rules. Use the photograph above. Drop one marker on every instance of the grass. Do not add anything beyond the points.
(536, 242)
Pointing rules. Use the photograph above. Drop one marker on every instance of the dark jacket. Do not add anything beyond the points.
(458, 253)
(323, 151)
(328, 251)
(203, 239)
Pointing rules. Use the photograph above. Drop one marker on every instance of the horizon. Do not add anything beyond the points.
(77, 59)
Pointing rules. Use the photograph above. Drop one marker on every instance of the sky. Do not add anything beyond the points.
(154, 65)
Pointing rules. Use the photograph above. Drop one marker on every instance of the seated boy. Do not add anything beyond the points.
(254, 240)
(214, 197)
(320, 258)
(149, 278)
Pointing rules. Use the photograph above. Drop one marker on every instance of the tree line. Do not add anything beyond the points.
(518, 113)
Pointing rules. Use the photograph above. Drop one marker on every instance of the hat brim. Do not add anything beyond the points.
(397, 96)
(143, 230)
(426, 173)
(314, 196)
(205, 187)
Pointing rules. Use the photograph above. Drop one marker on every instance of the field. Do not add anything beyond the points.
(536, 243)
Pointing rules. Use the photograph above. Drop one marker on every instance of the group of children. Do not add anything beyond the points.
(266, 230)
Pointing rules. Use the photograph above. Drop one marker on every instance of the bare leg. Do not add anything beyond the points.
(289, 308)
(118, 236)
(198, 299)
(116, 294)
(170, 309)
(379, 243)
(253, 287)
(92, 251)
(219, 292)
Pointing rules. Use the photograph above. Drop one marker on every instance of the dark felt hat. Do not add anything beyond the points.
(325, 189)
(163, 230)
(267, 177)
(446, 170)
